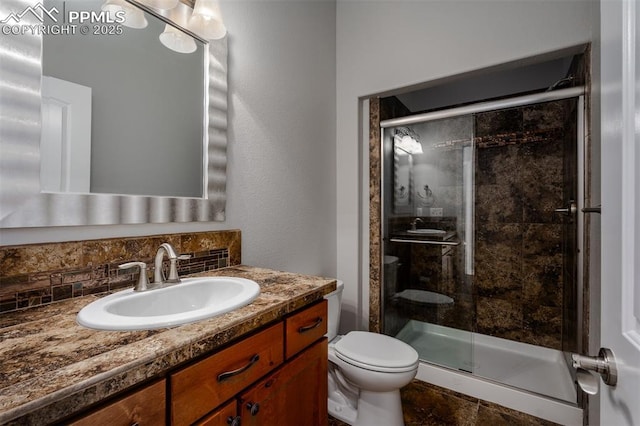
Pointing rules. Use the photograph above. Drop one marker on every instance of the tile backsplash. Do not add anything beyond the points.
(38, 274)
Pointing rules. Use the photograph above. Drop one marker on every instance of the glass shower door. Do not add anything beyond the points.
(525, 232)
(428, 238)
(480, 243)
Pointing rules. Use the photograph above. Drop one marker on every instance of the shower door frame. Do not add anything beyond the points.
(519, 101)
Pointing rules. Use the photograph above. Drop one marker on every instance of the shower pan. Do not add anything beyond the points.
(480, 237)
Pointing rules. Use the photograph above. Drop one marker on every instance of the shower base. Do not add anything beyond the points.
(528, 367)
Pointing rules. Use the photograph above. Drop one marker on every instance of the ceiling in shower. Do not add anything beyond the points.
(488, 85)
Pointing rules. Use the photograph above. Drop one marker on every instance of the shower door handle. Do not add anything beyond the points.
(568, 211)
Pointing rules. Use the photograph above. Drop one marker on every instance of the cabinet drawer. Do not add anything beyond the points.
(201, 387)
(143, 407)
(305, 327)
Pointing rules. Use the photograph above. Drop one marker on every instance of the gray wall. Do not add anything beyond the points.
(296, 72)
(384, 46)
(281, 154)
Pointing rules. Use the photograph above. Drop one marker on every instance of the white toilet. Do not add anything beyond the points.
(366, 372)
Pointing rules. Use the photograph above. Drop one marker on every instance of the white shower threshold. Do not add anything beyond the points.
(520, 376)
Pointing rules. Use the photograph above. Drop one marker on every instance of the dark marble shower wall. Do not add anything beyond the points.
(522, 157)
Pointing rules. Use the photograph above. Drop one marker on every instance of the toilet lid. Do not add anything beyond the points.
(376, 351)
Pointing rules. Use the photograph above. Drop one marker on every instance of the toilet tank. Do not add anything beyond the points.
(391, 264)
(334, 301)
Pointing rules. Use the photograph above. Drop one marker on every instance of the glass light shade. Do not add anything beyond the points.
(134, 17)
(409, 145)
(416, 147)
(206, 20)
(161, 4)
(177, 41)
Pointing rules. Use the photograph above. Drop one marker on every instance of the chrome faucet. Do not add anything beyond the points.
(143, 280)
(159, 279)
(158, 273)
(415, 222)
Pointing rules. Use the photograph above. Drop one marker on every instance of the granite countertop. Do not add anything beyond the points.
(52, 367)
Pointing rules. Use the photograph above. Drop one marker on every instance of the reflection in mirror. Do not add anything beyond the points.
(122, 113)
(402, 169)
(406, 143)
(23, 204)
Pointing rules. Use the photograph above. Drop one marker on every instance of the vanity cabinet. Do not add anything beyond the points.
(146, 406)
(290, 396)
(277, 376)
(291, 358)
(203, 386)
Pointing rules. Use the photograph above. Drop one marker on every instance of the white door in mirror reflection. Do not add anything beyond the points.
(65, 146)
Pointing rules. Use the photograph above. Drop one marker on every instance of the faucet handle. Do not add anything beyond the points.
(173, 268)
(143, 279)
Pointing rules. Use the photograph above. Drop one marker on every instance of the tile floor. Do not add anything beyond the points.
(427, 405)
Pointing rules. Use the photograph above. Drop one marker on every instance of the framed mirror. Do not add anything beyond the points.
(156, 120)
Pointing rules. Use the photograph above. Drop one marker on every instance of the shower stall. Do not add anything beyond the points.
(480, 231)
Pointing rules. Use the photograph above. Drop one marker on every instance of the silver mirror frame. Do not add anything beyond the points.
(21, 202)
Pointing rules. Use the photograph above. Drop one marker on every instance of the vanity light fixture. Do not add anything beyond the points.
(406, 140)
(175, 39)
(161, 4)
(206, 20)
(134, 17)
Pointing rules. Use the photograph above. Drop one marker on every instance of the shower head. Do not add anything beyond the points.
(564, 82)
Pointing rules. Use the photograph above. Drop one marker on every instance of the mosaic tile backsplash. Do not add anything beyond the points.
(39, 274)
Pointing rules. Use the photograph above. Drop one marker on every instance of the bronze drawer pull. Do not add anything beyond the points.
(310, 327)
(224, 376)
(253, 408)
(233, 421)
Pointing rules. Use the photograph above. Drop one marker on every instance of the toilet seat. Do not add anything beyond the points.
(376, 352)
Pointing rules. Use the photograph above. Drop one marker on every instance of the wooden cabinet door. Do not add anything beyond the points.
(224, 416)
(146, 406)
(294, 395)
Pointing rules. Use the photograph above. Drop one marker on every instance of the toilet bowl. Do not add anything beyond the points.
(423, 297)
(366, 372)
(413, 296)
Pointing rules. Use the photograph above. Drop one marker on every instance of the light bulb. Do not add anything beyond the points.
(177, 41)
(161, 4)
(206, 20)
(134, 17)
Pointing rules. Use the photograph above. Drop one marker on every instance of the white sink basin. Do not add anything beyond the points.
(426, 231)
(191, 300)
